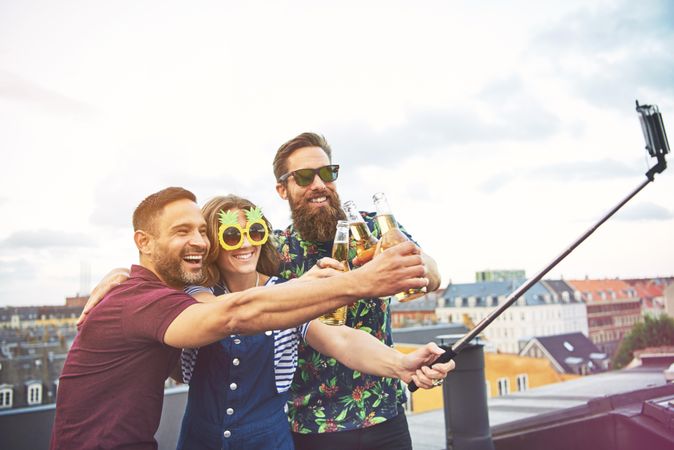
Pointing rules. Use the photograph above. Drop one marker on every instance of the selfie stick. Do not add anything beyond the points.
(657, 146)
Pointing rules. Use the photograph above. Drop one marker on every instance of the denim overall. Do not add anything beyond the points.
(233, 402)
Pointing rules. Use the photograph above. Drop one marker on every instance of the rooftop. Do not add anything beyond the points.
(639, 395)
(580, 398)
(568, 349)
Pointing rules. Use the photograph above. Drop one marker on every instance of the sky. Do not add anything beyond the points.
(500, 131)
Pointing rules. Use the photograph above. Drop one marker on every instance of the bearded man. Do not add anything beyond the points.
(332, 406)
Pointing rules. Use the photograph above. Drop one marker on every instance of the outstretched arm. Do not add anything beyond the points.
(361, 351)
(290, 304)
(112, 279)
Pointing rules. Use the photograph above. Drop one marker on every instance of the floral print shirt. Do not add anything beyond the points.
(325, 395)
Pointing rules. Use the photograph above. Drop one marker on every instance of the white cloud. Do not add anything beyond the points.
(44, 239)
(497, 135)
(646, 211)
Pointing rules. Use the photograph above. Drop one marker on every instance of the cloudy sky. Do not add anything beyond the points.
(500, 131)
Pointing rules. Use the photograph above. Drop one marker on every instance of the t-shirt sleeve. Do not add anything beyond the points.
(194, 290)
(147, 319)
(303, 329)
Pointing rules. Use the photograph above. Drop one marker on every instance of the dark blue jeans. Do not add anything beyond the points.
(390, 435)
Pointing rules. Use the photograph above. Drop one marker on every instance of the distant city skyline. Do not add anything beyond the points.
(499, 137)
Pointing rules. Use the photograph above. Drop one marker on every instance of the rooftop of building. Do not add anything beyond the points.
(580, 399)
(485, 293)
(425, 303)
(427, 333)
(568, 350)
(595, 290)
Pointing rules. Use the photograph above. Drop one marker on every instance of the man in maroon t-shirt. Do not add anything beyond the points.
(111, 388)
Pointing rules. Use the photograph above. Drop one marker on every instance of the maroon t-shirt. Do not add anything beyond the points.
(112, 386)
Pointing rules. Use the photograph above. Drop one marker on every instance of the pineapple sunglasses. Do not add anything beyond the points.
(230, 233)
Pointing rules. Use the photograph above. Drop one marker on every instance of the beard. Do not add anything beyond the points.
(170, 270)
(317, 224)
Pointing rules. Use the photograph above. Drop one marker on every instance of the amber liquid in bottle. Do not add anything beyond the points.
(340, 252)
(390, 236)
(366, 244)
(360, 234)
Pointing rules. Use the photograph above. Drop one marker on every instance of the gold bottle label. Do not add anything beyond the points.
(340, 252)
(390, 236)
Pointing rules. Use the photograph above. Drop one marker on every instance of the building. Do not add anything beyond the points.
(651, 291)
(504, 373)
(499, 275)
(29, 372)
(538, 312)
(34, 342)
(613, 308)
(26, 317)
(571, 353)
(417, 312)
(77, 301)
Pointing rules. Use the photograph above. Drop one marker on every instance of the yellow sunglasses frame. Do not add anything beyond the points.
(242, 231)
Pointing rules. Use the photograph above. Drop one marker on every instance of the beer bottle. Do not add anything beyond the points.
(360, 233)
(340, 252)
(390, 236)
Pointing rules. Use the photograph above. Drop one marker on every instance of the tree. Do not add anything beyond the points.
(652, 332)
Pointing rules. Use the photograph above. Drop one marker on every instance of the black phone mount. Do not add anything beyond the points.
(655, 137)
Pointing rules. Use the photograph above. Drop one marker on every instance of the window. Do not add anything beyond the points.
(503, 386)
(522, 382)
(6, 397)
(34, 394)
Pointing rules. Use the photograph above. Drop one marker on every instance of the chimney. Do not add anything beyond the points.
(465, 399)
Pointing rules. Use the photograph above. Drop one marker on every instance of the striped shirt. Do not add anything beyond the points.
(285, 347)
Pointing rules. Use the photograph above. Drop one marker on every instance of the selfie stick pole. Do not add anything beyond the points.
(657, 146)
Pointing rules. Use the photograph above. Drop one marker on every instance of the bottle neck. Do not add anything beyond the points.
(342, 233)
(386, 223)
(352, 213)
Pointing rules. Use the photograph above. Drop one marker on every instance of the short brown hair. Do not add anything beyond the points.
(149, 209)
(270, 259)
(300, 141)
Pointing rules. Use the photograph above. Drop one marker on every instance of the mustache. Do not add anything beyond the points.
(317, 224)
(193, 251)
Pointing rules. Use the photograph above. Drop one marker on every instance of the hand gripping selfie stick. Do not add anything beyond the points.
(657, 146)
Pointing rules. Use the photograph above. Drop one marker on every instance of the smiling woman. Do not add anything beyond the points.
(239, 385)
(227, 215)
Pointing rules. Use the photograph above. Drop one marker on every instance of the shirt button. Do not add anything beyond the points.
(230, 411)
(227, 433)
(233, 386)
(236, 361)
(268, 333)
(237, 341)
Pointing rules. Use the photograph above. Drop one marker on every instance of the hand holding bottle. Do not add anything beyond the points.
(340, 253)
(390, 236)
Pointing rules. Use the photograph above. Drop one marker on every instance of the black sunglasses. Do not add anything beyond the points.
(304, 177)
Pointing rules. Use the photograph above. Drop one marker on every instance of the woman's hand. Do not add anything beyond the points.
(324, 268)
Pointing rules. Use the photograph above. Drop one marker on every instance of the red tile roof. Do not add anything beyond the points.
(597, 288)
